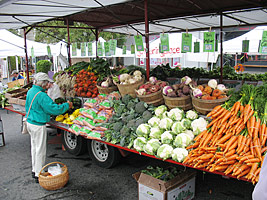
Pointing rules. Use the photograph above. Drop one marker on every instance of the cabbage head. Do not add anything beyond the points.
(178, 127)
(176, 114)
(166, 137)
(164, 151)
(143, 130)
(191, 114)
(160, 110)
(139, 143)
(165, 123)
(155, 132)
(179, 154)
(154, 121)
(182, 140)
(152, 146)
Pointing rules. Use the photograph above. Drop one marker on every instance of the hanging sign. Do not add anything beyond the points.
(32, 52)
(196, 47)
(186, 42)
(164, 40)
(263, 44)
(209, 42)
(160, 48)
(106, 47)
(124, 49)
(139, 42)
(74, 49)
(112, 48)
(216, 45)
(99, 49)
(245, 46)
(83, 49)
(132, 49)
(90, 48)
(49, 51)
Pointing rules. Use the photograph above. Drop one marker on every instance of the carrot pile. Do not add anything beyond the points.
(86, 84)
(235, 140)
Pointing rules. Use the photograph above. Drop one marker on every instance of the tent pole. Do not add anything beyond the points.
(147, 40)
(96, 40)
(26, 56)
(221, 49)
(68, 46)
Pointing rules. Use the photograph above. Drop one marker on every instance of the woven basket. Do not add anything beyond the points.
(54, 182)
(205, 106)
(108, 90)
(155, 98)
(130, 88)
(184, 103)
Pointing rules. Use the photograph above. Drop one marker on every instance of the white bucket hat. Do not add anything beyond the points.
(42, 77)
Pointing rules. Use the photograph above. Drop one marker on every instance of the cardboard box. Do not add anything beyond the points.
(16, 82)
(16, 93)
(182, 187)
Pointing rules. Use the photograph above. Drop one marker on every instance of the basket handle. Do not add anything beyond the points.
(50, 164)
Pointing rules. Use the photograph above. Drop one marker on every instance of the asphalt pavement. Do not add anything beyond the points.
(88, 181)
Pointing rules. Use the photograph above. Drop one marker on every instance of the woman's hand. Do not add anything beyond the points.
(70, 104)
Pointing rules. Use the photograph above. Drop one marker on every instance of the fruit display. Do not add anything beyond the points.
(152, 86)
(210, 91)
(68, 118)
(86, 84)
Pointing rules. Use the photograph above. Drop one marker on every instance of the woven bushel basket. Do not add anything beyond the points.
(205, 106)
(130, 88)
(54, 182)
(155, 99)
(184, 103)
(107, 90)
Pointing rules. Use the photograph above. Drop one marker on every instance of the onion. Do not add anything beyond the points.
(152, 79)
(212, 83)
(167, 89)
(221, 87)
(104, 84)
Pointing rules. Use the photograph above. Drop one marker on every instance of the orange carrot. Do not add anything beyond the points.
(246, 111)
(245, 172)
(229, 162)
(256, 129)
(221, 112)
(233, 146)
(229, 169)
(200, 135)
(214, 110)
(206, 140)
(263, 150)
(264, 133)
(224, 138)
(248, 116)
(192, 145)
(239, 142)
(206, 156)
(251, 125)
(238, 104)
(223, 128)
(252, 160)
(226, 116)
(230, 142)
(240, 169)
(246, 146)
(242, 159)
(252, 171)
(220, 167)
(257, 147)
(229, 153)
(262, 130)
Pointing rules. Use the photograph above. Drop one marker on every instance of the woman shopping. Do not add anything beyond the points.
(40, 107)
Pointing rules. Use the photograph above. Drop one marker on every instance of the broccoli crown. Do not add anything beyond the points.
(131, 123)
(140, 107)
(130, 105)
(126, 98)
(120, 109)
(139, 121)
(117, 126)
(147, 115)
(125, 131)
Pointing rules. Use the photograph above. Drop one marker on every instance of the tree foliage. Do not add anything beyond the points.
(76, 35)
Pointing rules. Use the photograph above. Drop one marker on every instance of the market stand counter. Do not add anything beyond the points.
(65, 127)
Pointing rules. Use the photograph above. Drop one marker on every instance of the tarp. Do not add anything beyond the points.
(13, 45)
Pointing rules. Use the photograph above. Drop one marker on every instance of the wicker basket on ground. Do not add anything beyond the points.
(184, 103)
(155, 98)
(54, 182)
(205, 106)
(106, 90)
(130, 88)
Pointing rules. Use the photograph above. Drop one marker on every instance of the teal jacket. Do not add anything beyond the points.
(42, 107)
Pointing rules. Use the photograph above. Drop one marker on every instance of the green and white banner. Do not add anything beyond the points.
(107, 49)
(74, 49)
(90, 48)
(99, 49)
(32, 52)
(124, 49)
(139, 42)
(49, 51)
(112, 48)
(263, 44)
(186, 42)
(196, 47)
(164, 40)
(132, 49)
(209, 42)
(245, 46)
(83, 49)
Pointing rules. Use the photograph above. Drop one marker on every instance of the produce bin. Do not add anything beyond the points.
(184, 103)
(180, 187)
(155, 99)
(130, 88)
(205, 106)
(107, 90)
